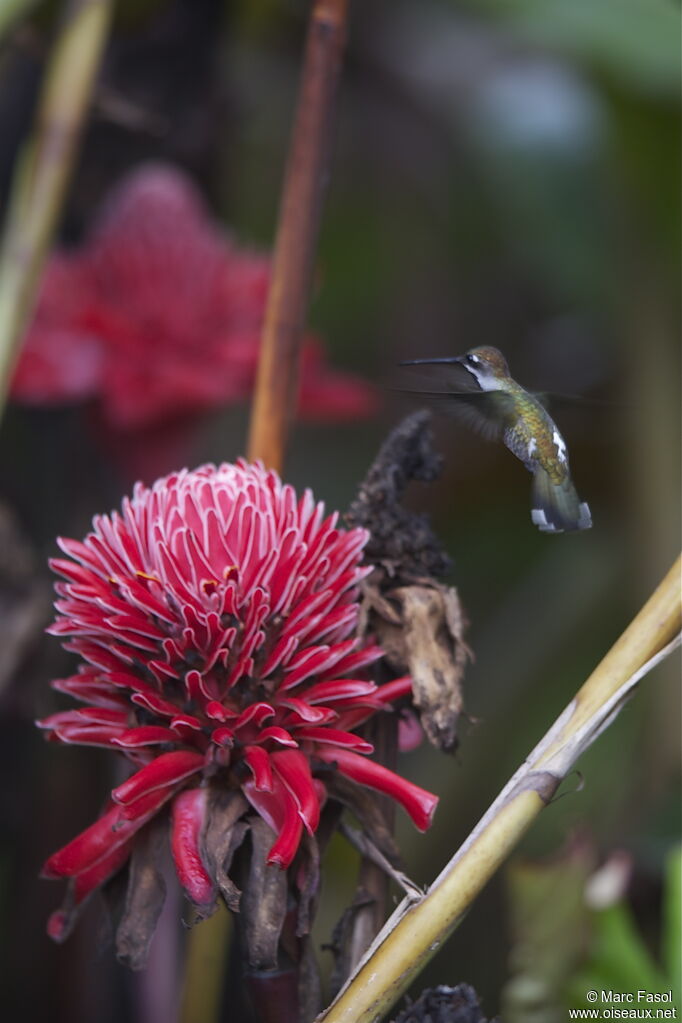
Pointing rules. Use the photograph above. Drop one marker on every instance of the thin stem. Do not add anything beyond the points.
(372, 880)
(417, 930)
(303, 192)
(43, 169)
(304, 188)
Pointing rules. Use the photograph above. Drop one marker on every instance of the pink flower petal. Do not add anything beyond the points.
(166, 770)
(410, 732)
(276, 734)
(259, 762)
(339, 689)
(335, 737)
(255, 714)
(419, 803)
(303, 710)
(61, 922)
(146, 735)
(278, 809)
(293, 769)
(222, 736)
(102, 838)
(188, 813)
(389, 692)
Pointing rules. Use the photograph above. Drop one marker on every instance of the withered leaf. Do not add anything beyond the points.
(400, 541)
(223, 833)
(343, 935)
(421, 629)
(309, 984)
(144, 896)
(264, 900)
(308, 880)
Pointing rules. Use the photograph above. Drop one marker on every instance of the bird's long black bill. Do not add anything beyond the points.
(431, 362)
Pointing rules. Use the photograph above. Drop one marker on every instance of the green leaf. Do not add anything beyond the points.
(672, 922)
(635, 41)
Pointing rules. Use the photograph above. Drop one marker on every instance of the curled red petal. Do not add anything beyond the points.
(339, 689)
(90, 690)
(335, 737)
(83, 715)
(87, 734)
(312, 715)
(278, 809)
(419, 803)
(145, 735)
(294, 770)
(259, 761)
(165, 770)
(188, 812)
(357, 659)
(255, 713)
(60, 923)
(102, 838)
(222, 736)
(395, 689)
(277, 734)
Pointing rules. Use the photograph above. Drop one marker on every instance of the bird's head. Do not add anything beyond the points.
(486, 364)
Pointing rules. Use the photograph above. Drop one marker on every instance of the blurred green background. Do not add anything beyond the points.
(506, 172)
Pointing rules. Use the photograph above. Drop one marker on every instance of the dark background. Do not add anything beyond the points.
(505, 173)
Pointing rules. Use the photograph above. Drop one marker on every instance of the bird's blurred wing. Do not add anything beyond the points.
(488, 413)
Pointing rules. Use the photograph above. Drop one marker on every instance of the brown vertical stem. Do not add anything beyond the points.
(304, 187)
(297, 230)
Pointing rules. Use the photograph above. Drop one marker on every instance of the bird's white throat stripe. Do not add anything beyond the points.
(532, 447)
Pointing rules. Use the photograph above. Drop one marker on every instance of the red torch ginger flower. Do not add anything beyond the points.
(158, 315)
(216, 616)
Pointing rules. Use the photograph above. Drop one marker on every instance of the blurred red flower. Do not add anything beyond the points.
(216, 617)
(158, 314)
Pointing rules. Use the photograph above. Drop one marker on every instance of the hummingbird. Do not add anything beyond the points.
(500, 408)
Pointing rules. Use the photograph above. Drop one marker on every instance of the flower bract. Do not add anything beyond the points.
(158, 314)
(216, 616)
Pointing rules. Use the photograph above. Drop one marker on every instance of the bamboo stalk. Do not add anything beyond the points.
(417, 930)
(43, 169)
(304, 188)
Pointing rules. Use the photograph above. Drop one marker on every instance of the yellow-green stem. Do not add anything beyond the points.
(205, 967)
(416, 932)
(43, 168)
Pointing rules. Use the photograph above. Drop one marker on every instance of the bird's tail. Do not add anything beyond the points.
(556, 506)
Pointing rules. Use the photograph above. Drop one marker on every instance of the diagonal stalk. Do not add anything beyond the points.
(417, 930)
(43, 168)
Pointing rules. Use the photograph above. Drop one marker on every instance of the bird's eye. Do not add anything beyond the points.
(473, 358)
